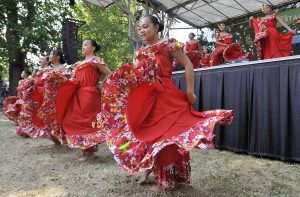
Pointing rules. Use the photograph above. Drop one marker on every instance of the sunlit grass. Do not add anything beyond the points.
(30, 168)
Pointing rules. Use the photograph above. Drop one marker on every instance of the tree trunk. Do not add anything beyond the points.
(16, 57)
(15, 69)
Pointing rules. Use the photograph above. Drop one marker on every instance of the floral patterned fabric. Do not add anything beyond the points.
(131, 154)
(83, 107)
(268, 41)
(167, 176)
(12, 105)
(11, 108)
(193, 53)
(233, 51)
(217, 54)
(52, 82)
(49, 81)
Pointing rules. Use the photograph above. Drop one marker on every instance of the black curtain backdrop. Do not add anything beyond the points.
(266, 101)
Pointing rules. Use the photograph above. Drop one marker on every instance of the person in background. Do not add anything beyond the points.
(4, 91)
(192, 50)
(269, 42)
(34, 113)
(226, 50)
(12, 105)
(204, 62)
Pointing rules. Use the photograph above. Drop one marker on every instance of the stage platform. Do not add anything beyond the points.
(265, 96)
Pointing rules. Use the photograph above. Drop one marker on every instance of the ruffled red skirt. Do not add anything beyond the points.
(37, 97)
(79, 115)
(195, 59)
(11, 107)
(276, 44)
(151, 125)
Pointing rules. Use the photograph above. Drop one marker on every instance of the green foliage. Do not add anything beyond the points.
(109, 28)
(3, 60)
(30, 26)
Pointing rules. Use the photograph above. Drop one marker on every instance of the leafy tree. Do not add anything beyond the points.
(109, 28)
(28, 26)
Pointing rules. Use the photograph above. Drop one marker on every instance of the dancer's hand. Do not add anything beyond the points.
(191, 97)
(294, 32)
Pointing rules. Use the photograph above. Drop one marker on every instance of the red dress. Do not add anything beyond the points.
(149, 122)
(231, 52)
(205, 60)
(217, 55)
(83, 107)
(36, 119)
(193, 52)
(53, 81)
(268, 41)
(31, 120)
(10, 108)
(12, 105)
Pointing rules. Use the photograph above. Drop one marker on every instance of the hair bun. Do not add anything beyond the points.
(59, 53)
(94, 44)
(161, 27)
(97, 47)
(155, 21)
(63, 60)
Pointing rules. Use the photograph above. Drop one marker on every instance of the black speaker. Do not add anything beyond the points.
(296, 45)
(69, 38)
(72, 2)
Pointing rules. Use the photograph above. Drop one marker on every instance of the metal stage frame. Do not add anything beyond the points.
(245, 63)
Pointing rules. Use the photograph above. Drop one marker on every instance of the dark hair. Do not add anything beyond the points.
(94, 44)
(27, 72)
(61, 56)
(219, 23)
(155, 21)
(47, 58)
(265, 4)
(192, 34)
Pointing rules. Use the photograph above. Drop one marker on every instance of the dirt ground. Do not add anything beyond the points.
(30, 168)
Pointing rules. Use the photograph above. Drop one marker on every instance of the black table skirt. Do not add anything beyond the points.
(266, 100)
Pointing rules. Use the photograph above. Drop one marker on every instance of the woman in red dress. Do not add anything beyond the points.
(12, 104)
(51, 81)
(205, 60)
(34, 99)
(86, 103)
(223, 39)
(224, 43)
(36, 111)
(150, 124)
(192, 50)
(268, 41)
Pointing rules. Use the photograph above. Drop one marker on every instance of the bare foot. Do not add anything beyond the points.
(156, 188)
(25, 136)
(55, 141)
(54, 146)
(144, 177)
(87, 155)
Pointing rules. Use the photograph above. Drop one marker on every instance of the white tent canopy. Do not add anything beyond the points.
(101, 3)
(200, 13)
